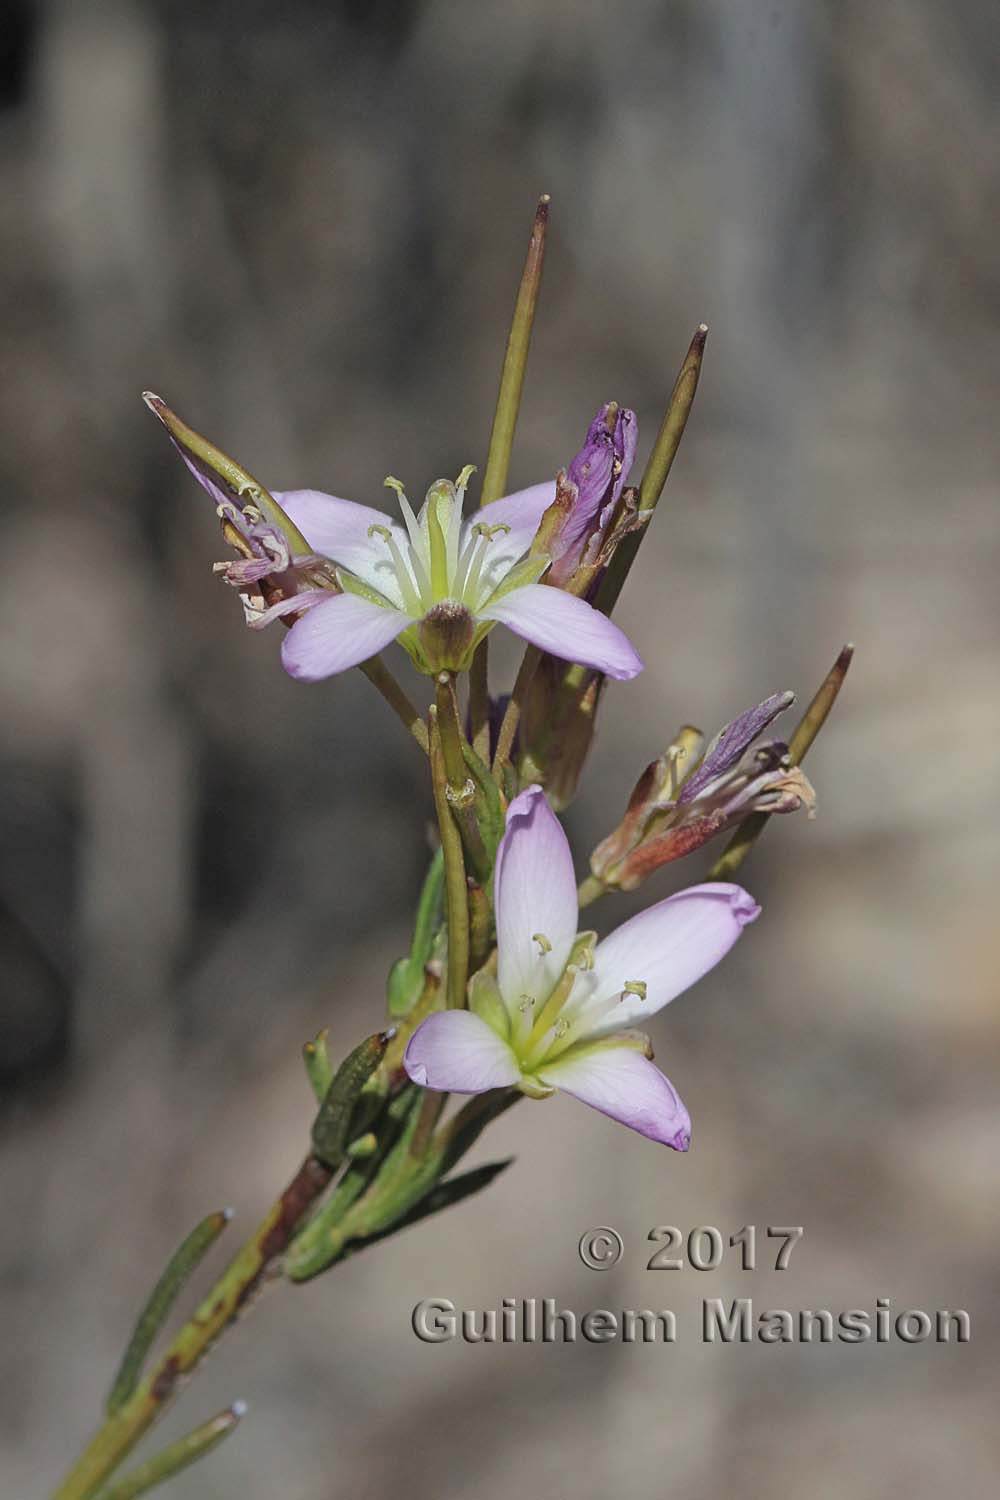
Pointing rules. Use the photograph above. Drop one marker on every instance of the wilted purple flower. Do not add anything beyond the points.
(672, 812)
(437, 583)
(591, 489)
(560, 1011)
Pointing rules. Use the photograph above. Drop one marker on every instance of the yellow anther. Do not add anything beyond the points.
(500, 528)
(561, 1028)
(394, 484)
(543, 943)
(383, 531)
(465, 476)
(526, 1004)
(635, 987)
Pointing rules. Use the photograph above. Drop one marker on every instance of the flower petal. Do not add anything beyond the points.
(667, 948)
(456, 1052)
(535, 894)
(338, 633)
(620, 1082)
(521, 511)
(340, 529)
(567, 627)
(729, 744)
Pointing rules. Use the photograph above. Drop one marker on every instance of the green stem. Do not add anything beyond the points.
(657, 469)
(456, 895)
(511, 719)
(479, 700)
(515, 360)
(247, 1272)
(379, 676)
(590, 889)
(806, 730)
(460, 790)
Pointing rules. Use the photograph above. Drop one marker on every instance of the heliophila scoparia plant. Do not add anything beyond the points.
(505, 994)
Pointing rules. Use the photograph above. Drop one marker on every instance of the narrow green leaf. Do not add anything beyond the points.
(444, 1195)
(316, 1056)
(177, 1456)
(406, 977)
(162, 1298)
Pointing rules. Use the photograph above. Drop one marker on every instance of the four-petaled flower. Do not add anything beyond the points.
(351, 580)
(559, 1013)
(438, 584)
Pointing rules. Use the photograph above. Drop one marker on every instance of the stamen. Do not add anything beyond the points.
(526, 1004)
(499, 528)
(553, 1005)
(543, 943)
(411, 597)
(470, 587)
(675, 755)
(561, 1028)
(412, 525)
(463, 572)
(411, 570)
(403, 577)
(464, 477)
(634, 987)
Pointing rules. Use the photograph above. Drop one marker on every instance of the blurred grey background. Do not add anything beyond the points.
(303, 225)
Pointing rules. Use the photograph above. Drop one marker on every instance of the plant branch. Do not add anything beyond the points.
(511, 719)
(380, 677)
(244, 1275)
